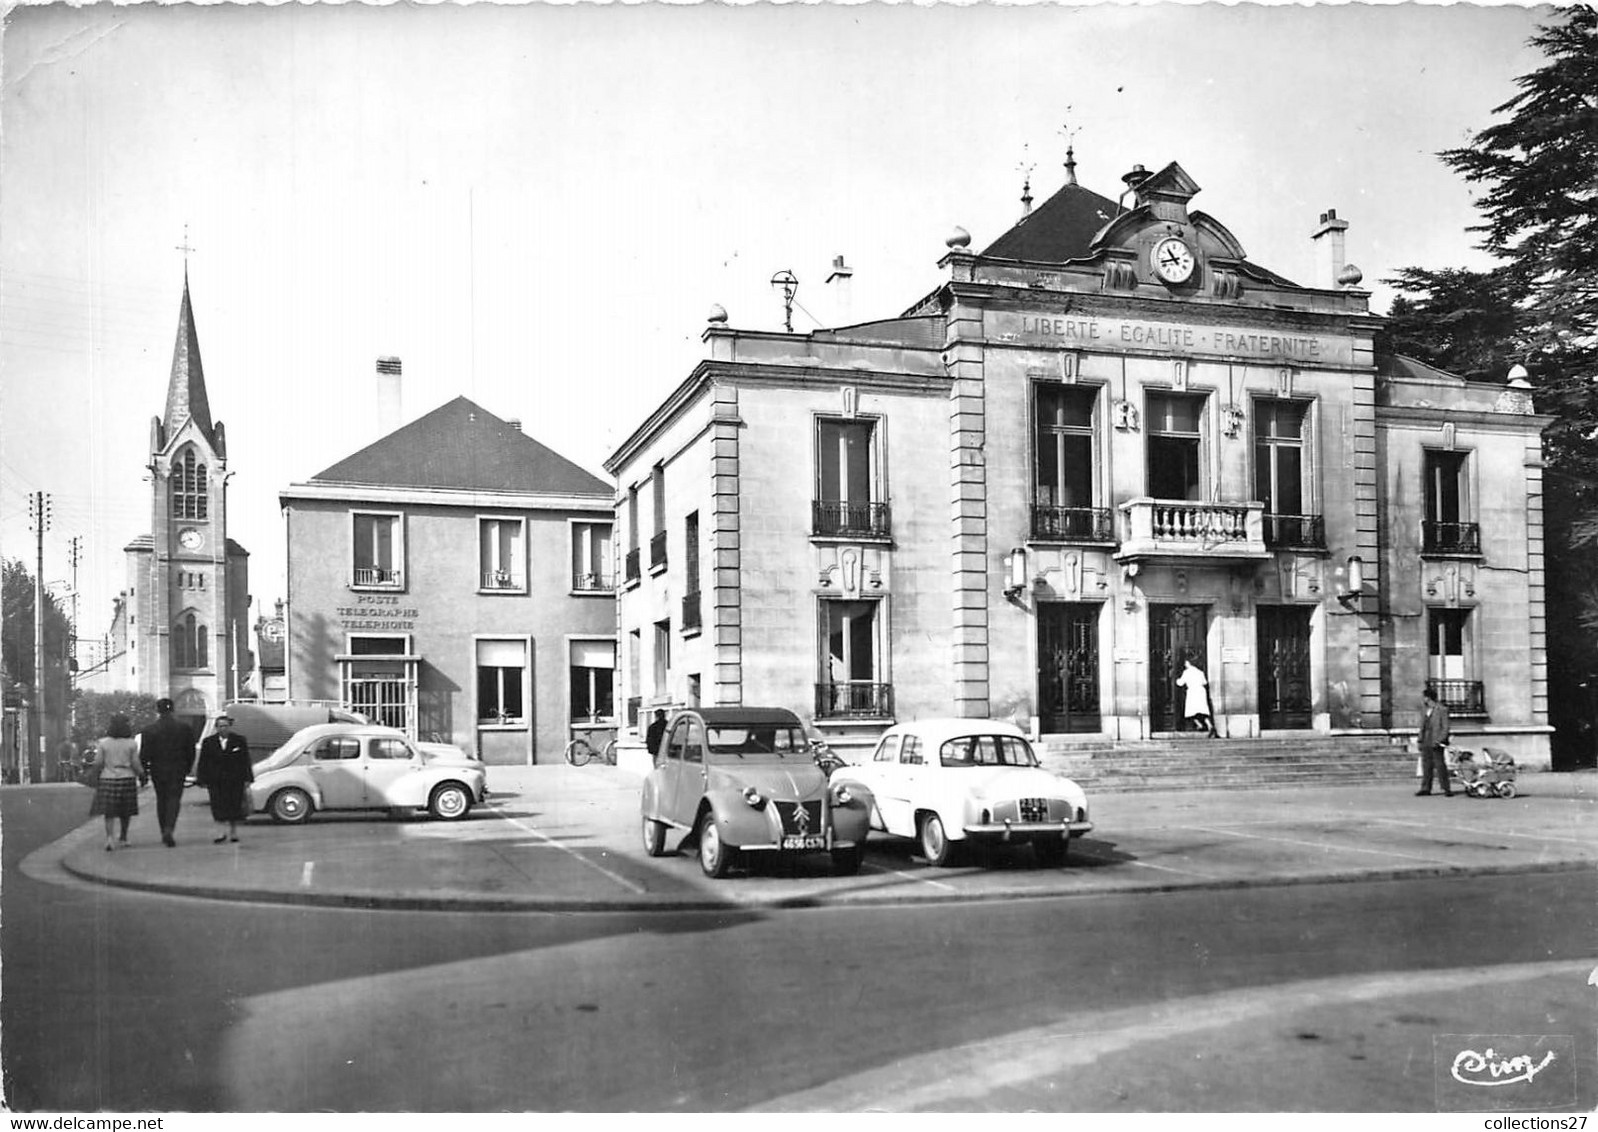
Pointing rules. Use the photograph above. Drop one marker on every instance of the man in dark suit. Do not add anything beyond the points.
(1434, 733)
(166, 750)
(656, 732)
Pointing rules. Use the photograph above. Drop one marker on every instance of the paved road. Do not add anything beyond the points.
(1155, 1001)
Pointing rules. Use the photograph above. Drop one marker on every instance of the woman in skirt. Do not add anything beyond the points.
(117, 794)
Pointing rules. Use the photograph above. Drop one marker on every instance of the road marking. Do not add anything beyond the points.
(1169, 869)
(937, 1080)
(631, 886)
(1478, 832)
(305, 874)
(910, 876)
(1323, 845)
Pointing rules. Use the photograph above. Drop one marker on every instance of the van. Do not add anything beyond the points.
(266, 727)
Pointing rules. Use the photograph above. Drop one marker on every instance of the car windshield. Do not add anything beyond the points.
(761, 742)
(987, 750)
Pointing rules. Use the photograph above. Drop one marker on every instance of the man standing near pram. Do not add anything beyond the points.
(1434, 732)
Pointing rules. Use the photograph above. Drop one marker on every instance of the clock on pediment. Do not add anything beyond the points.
(190, 539)
(1172, 260)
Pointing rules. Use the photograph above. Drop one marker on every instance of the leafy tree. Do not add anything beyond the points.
(94, 711)
(16, 640)
(1538, 168)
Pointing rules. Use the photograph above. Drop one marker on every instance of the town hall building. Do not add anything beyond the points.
(1107, 443)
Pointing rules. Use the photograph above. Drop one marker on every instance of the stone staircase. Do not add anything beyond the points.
(1201, 763)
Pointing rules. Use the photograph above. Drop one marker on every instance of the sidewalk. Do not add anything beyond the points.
(566, 838)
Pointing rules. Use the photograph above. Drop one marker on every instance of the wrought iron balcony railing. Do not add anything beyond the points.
(854, 699)
(1461, 697)
(502, 580)
(657, 551)
(632, 565)
(1299, 532)
(377, 576)
(837, 518)
(593, 582)
(1450, 538)
(690, 611)
(1072, 524)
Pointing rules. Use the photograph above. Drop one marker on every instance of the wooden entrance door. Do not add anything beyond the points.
(1068, 667)
(1283, 650)
(1176, 633)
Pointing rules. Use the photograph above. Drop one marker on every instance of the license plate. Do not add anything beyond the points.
(804, 842)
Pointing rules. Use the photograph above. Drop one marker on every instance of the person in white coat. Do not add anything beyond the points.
(1196, 701)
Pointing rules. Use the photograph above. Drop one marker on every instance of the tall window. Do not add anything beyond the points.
(851, 661)
(190, 643)
(1062, 489)
(500, 666)
(1175, 434)
(378, 550)
(662, 655)
(1449, 670)
(1448, 529)
(1279, 474)
(188, 485)
(593, 559)
(633, 572)
(657, 543)
(501, 559)
(848, 497)
(593, 680)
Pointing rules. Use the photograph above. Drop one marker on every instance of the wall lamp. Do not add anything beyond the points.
(1353, 598)
(1015, 572)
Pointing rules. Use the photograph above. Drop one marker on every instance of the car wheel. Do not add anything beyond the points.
(654, 837)
(846, 862)
(1506, 789)
(290, 806)
(450, 802)
(1050, 852)
(935, 845)
(715, 858)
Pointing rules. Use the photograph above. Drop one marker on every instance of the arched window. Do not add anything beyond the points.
(190, 648)
(189, 493)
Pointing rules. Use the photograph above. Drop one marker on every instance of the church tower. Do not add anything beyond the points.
(189, 582)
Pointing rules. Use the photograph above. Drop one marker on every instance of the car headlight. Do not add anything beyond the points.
(752, 796)
(841, 795)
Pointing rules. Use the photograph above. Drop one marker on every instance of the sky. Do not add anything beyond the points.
(536, 206)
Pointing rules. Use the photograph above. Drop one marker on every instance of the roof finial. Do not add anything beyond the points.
(1068, 132)
(185, 249)
(1026, 168)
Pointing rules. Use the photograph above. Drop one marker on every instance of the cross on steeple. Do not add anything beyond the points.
(184, 246)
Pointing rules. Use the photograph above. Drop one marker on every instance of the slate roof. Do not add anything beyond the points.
(185, 390)
(462, 446)
(1059, 229)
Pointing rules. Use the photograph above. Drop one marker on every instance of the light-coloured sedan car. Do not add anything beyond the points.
(948, 782)
(349, 766)
(746, 780)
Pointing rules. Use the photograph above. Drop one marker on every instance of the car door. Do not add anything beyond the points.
(389, 760)
(335, 767)
(685, 760)
(901, 780)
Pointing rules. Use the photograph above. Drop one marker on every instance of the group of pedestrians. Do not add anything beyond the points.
(162, 755)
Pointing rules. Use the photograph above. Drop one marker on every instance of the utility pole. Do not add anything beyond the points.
(74, 555)
(39, 505)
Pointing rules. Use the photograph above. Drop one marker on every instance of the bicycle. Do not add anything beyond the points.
(580, 752)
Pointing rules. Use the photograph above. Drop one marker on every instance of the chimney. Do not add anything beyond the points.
(842, 287)
(388, 395)
(515, 423)
(1329, 253)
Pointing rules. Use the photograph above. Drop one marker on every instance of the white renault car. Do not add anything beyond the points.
(352, 766)
(949, 782)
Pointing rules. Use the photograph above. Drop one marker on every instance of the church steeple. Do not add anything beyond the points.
(185, 393)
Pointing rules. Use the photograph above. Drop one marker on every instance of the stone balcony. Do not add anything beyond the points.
(1154, 529)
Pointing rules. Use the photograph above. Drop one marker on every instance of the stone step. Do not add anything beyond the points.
(1201, 763)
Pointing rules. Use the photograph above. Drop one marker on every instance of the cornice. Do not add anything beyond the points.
(334, 492)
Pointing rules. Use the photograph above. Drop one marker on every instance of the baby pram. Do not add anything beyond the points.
(1490, 774)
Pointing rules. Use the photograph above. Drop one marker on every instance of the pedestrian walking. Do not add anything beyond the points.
(225, 770)
(1434, 734)
(166, 751)
(1196, 700)
(116, 794)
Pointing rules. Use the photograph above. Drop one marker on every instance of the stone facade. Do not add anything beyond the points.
(1105, 444)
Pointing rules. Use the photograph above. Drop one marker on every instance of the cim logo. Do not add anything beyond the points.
(1504, 1072)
